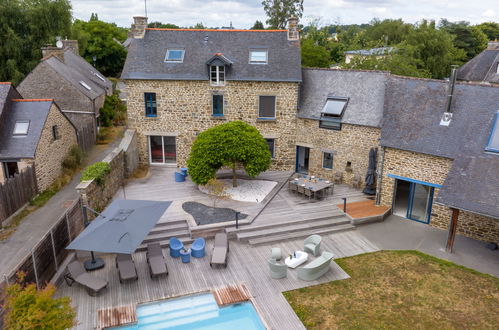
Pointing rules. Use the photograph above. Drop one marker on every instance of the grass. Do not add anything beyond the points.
(400, 290)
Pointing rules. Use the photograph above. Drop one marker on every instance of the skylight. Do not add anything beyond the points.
(258, 56)
(334, 107)
(175, 55)
(21, 127)
(100, 77)
(85, 85)
(493, 144)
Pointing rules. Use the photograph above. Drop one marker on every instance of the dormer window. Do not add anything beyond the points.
(85, 85)
(332, 112)
(217, 75)
(21, 127)
(174, 55)
(493, 143)
(258, 56)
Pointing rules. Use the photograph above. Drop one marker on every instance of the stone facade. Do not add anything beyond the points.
(432, 169)
(49, 152)
(350, 144)
(184, 108)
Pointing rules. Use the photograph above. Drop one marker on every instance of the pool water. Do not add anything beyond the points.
(195, 312)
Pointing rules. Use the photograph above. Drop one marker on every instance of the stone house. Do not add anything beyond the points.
(76, 86)
(438, 167)
(181, 82)
(33, 132)
(482, 68)
(363, 54)
(343, 109)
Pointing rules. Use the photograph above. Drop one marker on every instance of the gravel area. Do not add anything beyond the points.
(204, 215)
(246, 190)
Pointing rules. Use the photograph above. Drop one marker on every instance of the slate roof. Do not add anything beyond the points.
(87, 70)
(365, 90)
(482, 67)
(4, 92)
(413, 109)
(145, 59)
(16, 147)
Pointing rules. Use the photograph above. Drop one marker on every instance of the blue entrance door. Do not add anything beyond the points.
(302, 159)
(413, 200)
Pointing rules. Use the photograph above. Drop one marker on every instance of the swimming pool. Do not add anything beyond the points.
(195, 312)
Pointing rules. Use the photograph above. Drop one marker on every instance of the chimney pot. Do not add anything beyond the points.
(138, 28)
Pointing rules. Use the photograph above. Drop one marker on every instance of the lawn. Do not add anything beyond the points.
(400, 290)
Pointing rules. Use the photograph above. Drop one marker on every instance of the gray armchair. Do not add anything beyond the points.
(312, 244)
(277, 270)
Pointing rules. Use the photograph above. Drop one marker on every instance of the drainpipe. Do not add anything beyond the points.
(380, 177)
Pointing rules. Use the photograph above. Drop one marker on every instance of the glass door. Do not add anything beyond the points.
(420, 206)
(170, 149)
(302, 159)
(162, 149)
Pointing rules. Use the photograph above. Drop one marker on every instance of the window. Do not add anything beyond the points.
(258, 56)
(85, 85)
(271, 143)
(332, 112)
(218, 105)
(217, 74)
(266, 107)
(327, 160)
(150, 103)
(21, 127)
(175, 55)
(55, 132)
(493, 144)
(10, 169)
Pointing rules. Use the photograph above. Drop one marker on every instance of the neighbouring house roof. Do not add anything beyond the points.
(4, 92)
(23, 146)
(483, 67)
(364, 89)
(146, 57)
(370, 52)
(413, 109)
(87, 70)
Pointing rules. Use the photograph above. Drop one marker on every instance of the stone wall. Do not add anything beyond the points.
(433, 169)
(50, 153)
(185, 109)
(350, 144)
(129, 146)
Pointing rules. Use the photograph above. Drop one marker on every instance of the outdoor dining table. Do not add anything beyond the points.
(313, 184)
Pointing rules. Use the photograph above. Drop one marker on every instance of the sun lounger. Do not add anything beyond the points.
(78, 274)
(155, 260)
(126, 267)
(220, 250)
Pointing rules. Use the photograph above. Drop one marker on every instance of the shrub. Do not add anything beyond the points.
(113, 111)
(97, 172)
(73, 159)
(28, 308)
(216, 189)
(103, 135)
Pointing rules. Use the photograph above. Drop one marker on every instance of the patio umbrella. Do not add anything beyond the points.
(370, 189)
(120, 228)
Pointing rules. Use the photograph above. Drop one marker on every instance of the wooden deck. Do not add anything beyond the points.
(246, 265)
(363, 209)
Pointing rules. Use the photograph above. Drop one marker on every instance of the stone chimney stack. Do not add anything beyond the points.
(293, 29)
(60, 48)
(138, 27)
(71, 44)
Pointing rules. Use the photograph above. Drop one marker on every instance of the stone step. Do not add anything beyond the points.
(170, 222)
(163, 236)
(292, 227)
(170, 227)
(299, 234)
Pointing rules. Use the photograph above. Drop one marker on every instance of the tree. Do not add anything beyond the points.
(216, 189)
(468, 38)
(313, 55)
(162, 26)
(230, 144)
(258, 26)
(94, 17)
(102, 40)
(28, 308)
(491, 30)
(198, 26)
(26, 26)
(387, 32)
(279, 11)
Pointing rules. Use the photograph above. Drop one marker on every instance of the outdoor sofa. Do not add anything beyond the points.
(126, 267)
(78, 274)
(156, 260)
(316, 268)
(220, 250)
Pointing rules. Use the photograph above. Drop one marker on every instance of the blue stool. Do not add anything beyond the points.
(183, 170)
(185, 256)
(179, 177)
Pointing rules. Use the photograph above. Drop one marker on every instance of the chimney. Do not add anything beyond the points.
(72, 45)
(138, 27)
(293, 29)
(447, 116)
(493, 45)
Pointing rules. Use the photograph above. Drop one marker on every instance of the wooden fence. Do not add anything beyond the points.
(45, 258)
(17, 191)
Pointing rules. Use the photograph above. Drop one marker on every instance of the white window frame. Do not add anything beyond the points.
(332, 165)
(174, 61)
(24, 131)
(252, 61)
(218, 82)
(84, 84)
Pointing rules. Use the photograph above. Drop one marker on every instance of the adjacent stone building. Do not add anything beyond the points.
(76, 86)
(182, 82)
(33, 132)
(484, 67)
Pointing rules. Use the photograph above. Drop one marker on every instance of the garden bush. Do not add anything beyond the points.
(97, 172)
(73, 159)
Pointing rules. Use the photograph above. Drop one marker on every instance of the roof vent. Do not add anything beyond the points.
(447, 116)
(205, 39)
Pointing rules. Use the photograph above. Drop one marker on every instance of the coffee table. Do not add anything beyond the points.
(294, 262)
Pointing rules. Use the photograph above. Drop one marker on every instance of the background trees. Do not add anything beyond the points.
(279, 11)
(230, 144)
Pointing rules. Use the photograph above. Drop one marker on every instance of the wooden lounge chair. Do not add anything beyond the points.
(312, 244)
(220, 250)
(126, 267)
(156, 260)
(78, 274)
(277, 270)
(316, 268)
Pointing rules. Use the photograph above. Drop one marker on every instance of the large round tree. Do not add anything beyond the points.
(230, 144)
